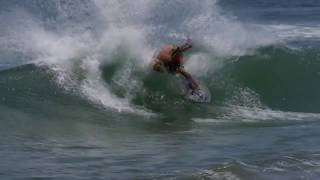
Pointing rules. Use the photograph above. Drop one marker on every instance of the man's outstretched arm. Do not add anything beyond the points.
(184, 47)
(187, 45)
(193, 84)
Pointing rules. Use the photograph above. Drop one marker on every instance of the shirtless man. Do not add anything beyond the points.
(170, 58)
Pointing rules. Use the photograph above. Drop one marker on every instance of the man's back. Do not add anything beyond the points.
(165, 53)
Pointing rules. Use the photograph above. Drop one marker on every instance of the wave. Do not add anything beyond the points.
(273, 168)
(273, 78)
(100, 51)
(283, 78)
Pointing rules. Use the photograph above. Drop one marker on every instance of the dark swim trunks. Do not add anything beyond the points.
(172, 68)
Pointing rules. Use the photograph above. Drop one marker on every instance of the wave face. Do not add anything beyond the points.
(284, 79)
(78, 41)
(100, 51)
(80, 71)
(274, 77)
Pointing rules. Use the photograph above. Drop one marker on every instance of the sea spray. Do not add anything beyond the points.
(77, 45)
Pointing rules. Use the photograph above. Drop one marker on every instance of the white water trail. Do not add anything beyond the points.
(231, 114)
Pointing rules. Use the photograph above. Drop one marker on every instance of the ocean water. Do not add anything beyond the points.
(78, 99)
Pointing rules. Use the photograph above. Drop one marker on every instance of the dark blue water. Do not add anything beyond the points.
(283, 11)
(78, 99)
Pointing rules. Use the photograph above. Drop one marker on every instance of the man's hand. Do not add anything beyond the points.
(187, 45)
(157, 66)
(193, 84)
(189, 41)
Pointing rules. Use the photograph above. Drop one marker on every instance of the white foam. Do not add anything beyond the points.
(233, 114)
(76, 54)
(68, 53)
(245, 97)
(227, 36)
(292, 32)
(267, 114)
(210, 120)
(215, 175)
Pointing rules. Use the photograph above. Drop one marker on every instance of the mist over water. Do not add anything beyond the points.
(85, 66)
